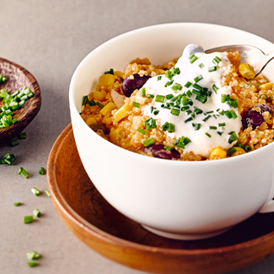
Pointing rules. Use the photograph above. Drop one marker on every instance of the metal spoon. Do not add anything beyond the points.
(249, 54)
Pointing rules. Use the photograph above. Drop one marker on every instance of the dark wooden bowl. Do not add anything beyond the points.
(18, 78)
(90, 217)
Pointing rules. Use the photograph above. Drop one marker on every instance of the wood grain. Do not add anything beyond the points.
(18, 78)
(89, 216)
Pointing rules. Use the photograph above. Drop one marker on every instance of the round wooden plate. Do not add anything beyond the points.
(104, 229)
(18, 78)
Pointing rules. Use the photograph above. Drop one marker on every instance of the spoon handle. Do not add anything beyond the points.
(267, 58)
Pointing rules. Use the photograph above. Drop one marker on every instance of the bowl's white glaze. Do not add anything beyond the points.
(186, 200)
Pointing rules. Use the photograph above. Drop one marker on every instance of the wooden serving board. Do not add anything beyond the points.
(89, 216)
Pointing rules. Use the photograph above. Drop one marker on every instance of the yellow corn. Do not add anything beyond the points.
(90, 121)
(266, 86)
(106, 79)
(114, 135)
(217, 153)
(107, 108)
(99, 95)
(119, 73)
(121, 112)
(246, 71)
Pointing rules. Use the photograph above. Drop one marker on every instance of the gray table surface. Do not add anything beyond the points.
(50, 38)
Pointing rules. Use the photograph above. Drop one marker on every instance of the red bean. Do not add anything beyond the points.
(159, 151)
(132, 82)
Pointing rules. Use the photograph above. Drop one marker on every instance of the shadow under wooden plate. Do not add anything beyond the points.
(18, 78)
(89, 216)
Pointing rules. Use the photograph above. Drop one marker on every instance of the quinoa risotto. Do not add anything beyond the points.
(197, 107)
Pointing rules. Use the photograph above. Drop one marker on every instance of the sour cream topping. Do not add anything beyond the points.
(193, 98)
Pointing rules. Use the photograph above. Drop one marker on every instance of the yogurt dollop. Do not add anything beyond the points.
(192, 98)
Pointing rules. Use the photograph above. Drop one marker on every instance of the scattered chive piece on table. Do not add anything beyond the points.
(8, 159)
(22, 135)
(17, 204)
(33, 255)
(32, 264)
(23, 172)
(47, 193)
(28, 219)
(35, 191)
(14, 142)
(36, 213)
(42, 171)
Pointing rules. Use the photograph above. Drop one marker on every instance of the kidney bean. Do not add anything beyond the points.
(129, 84)
(159, 151)
(102, 126)
(255, 118)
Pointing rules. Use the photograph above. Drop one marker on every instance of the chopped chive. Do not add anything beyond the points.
(33, 255)
(36, 213)
(221, 124)
(231, 151)
(212, 127)
(198, 111)
(28, 219)
(208, 135)
(150, 123)
(109, 72)
(192, 58)
(216, 60)
(143, 92)
(182, 142)
(141, 130)
(156, 112)
(171, 128)
(198, 78)
(198, 87)
(220, 133)
(169, 83)
(175, 111)
(184, 108)
(136, 104)
(150, 96)
(176, 87)
(206, 118)
(189, 119)
(84, 100)
(22, 135)
(215, 88)
(159, 78)
(160, 98)
(99, 104)
(196, 126)
(168, 147)
(211, 69)
(260, 97)
(8, 159)
(47, 193)
(169, 96)
(247, 148)
(42, 171)
(184, 100)
(148, 142)
(188, 84)
(233, 114)
(35, 191)
(17, 204)
(165, 126)
(232, 137)
(14, 142)
(201, 98)
(23, 172)
(228, 114)
(32, 264)
(189, 93)
(201, 65)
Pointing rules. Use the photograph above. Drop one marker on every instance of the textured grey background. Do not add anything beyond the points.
(50, 38)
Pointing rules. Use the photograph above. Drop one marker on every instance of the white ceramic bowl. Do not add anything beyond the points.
(181, 200)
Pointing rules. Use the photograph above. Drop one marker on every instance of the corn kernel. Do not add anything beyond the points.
(99, 95)
(217, 152)
(119, 73)
(90, 121)
(106, 79)
(266, 86)
(246, 71)
(121, 112)
(114, 135)
(107, 108)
